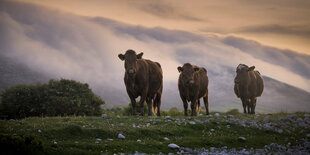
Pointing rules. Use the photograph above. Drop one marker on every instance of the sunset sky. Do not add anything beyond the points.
(80, 40)
(280, 23)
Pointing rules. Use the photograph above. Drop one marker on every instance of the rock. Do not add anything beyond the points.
(98, 139)
(308, 135)
(292, 116)
(207, 121)
(166, 138)
(216, 115)
(192, 122)
(109, 139)
(139, 140)
(228, 126)
(104, 115)
(134, 125)
(243, 139)
(121, 124)
(212, 130)
(120, 136)
(173, 146)
(39, 131)
(279, 131)
(148, 124)
(167, 117)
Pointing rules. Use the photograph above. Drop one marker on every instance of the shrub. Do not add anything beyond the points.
(233, 112)
(58, 97)
(174, 111)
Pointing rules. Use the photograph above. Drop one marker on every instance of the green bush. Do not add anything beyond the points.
(57, 98)
(232, 112)
(20, 144)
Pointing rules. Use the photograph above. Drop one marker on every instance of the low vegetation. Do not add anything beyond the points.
(97, 135)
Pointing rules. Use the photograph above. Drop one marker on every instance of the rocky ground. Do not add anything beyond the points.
(280, 125)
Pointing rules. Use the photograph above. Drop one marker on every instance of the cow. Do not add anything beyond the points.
(143, 78)
(248, 85)
(193, 85)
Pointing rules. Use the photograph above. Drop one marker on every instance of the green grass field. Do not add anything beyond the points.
(79, 135)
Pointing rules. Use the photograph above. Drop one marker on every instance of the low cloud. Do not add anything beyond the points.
(298, 30)
(63, 45)
(295, 62)
(165, 10)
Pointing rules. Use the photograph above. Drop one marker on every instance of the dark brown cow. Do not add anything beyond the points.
(249, 84)
(143, 78)
(193, 85)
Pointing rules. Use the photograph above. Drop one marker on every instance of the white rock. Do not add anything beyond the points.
(306, 115)
(242, 139)
(39, 131)
(109, 139)
(228, 126)
(212, 130)
(192, 122)
(173, 146)
(104, 115)
(280, 131)
(167, 117)
(166, 138)
(139, 140)
(134, 125)
(98, 139)
(120, 136)
(76, 142)
(148, 124)
(121, 124)
(216, 114)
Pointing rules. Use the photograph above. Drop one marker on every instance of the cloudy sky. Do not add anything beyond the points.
(280, 23)
(80, 39)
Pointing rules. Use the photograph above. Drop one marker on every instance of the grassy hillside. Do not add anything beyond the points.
(94, 135)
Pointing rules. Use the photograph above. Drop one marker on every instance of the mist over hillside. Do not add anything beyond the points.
(35, 48)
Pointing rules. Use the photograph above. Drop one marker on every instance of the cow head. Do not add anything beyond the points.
(130, 58)
(242, 73)
(187, 73)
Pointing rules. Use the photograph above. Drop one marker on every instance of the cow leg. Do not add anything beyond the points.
(193, 107)
(133, 105)
(206, 102)
(249, 105)
(244, 104)
(198, 106)
(253, 105)
(150, 106)
(142, 100)
(157, 103)
(185, 105)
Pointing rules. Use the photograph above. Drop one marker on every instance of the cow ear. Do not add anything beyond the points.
(139, 56)
(196, 69)
(180, 69)
(251, 68)
(121, 56)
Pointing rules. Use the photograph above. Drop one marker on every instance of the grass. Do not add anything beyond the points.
(77, 135)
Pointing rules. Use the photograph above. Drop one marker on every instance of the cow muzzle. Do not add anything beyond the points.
(131, 71)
